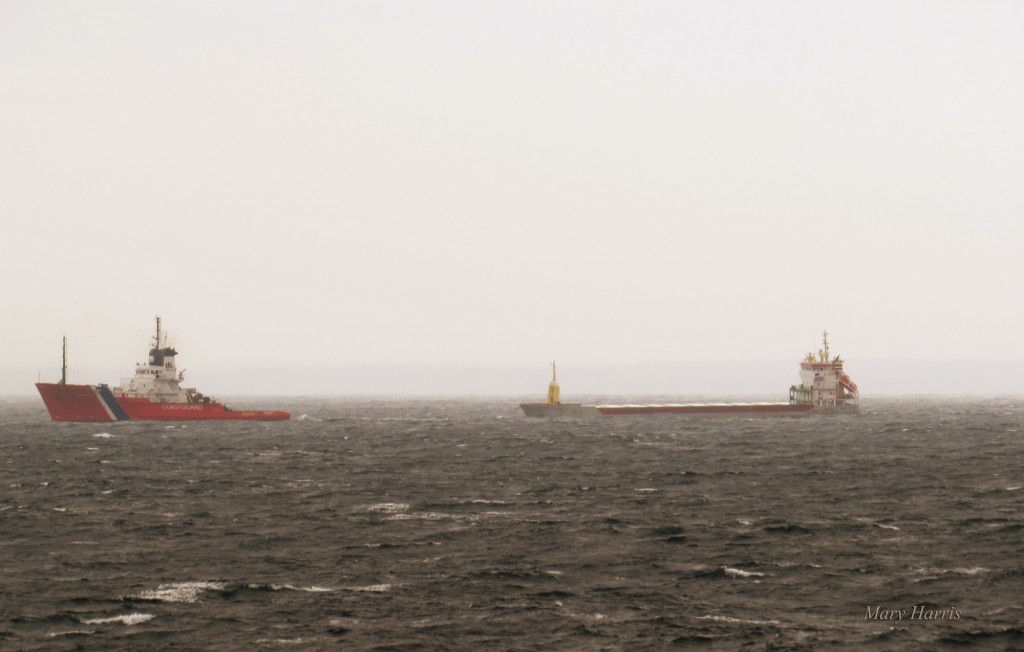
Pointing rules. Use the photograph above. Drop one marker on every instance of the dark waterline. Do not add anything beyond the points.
(458, 524)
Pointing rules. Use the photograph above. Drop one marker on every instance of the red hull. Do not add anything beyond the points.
(74, 403)
(96, 403)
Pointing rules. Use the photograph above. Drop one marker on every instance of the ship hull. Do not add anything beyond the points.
(97, 403)
(693, 409)
(574, 410)
(710, 409)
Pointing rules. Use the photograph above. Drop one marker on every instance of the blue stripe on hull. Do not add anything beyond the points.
(111, 403)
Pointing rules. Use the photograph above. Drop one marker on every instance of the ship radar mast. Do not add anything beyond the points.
(160, 350)
(824, 351)
(553, 391)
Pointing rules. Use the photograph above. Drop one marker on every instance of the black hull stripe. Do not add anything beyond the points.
(111, 402)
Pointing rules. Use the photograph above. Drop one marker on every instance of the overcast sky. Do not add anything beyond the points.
(506, 183)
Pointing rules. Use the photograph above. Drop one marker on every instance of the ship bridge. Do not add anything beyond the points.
(159, 379)
(823, 383)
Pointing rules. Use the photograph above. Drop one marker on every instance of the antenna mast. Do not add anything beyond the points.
(553, 391)
(157, 332)
(64, 363)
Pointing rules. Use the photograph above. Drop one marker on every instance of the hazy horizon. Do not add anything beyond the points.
(768, 379)
(361, 184)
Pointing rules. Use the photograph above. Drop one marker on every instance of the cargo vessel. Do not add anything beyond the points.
(153, 394)
(825, 388)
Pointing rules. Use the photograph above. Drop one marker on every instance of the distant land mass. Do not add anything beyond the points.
(708, 380)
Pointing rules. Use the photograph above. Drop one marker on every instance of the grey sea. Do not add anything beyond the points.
(400, 524)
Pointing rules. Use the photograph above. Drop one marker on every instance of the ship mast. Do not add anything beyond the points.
(553, 392)
(64, 363)
(157, 345)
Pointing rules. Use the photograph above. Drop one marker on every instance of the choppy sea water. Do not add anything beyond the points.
(458, 524)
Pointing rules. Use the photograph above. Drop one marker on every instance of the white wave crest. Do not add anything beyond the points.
(730, 619)
(372, 588)
(127, 619)
(181, 592)
(435, 516)
(973, 570)
(289, 587)
(736, 572)
(388, 508)
(103, 435)
(933, 573)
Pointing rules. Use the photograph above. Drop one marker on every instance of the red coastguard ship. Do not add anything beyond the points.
(153, 394)
(824, 389)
